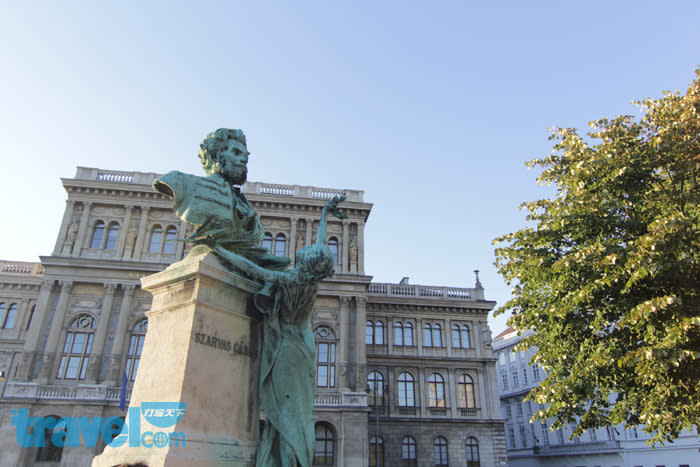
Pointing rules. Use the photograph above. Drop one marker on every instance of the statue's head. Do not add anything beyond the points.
(315, 262)
(224, 151)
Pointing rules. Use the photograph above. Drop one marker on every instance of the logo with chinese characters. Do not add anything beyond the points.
(84, 431)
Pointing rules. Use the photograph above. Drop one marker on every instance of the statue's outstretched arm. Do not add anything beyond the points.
(247, 266)
(332, 207)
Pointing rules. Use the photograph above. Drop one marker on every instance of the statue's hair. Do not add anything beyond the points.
(215, 142)
(315, 262)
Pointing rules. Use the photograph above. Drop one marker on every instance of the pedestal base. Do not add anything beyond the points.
(195, 399)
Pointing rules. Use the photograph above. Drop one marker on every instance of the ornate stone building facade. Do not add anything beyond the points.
(534, 444)
(405, 373)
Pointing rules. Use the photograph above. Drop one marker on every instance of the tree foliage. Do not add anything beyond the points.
(607, 273)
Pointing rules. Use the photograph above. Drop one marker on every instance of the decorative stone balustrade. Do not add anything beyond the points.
(55, 392)
(17, 267)
(345, 399)
(424, 291)
(258, 188)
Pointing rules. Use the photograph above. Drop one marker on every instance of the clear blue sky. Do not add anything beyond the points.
(431, 108)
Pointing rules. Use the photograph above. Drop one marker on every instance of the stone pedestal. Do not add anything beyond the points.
(201, 349)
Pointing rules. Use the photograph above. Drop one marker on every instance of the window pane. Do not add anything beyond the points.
(427, 336)
(88, 347)
(280, 245)
(78, 343)
(437, 336)
(11, 317)
(379, 333)
(398, 334)
(408, 334)
(267, 241)
(322, 353)
(61, 367)
(112, 234)
(455, 337)
(83, 368)
(66, 346)
(156, 237)
(97, 234)
(333, 246)
(139, 347)
(369, 333)
(170, 236)
(322, 372)
(72, 369)
(465, 337)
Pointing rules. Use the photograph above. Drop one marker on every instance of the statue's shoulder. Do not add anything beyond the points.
(174, 182)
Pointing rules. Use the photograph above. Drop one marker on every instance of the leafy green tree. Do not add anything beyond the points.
(607, 273)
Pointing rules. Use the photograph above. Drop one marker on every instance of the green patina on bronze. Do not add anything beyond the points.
(215, 204)
(231, 228)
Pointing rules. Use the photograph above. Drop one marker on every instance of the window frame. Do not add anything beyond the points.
(75, 329)
(440, 452)
(437, 395)
(330, 341)
(404, 385)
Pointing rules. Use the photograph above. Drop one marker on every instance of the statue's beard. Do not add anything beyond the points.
(235, 175)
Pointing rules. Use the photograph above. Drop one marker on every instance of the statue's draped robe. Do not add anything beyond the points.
(222, 214)
(287, 374)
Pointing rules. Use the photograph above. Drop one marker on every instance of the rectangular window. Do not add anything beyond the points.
(509, 413)
(523, 436)
(524, 375)
(504, 381)
(519, 406)
(515, 379)
(511, 437)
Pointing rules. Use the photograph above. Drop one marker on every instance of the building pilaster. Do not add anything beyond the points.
(138, 248)
(67, 218)
(345, 247)
(361, 247)
(293, 240)
(124, 231)
(117, 352)
(82, 229)
(31, 339)
(98, 345)
(55, 332)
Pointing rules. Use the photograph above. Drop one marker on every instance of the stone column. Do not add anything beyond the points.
(55, 333)
(82, 229)
(31, 339)
(293, 239)
(361, 376)
(309, 231)
(345, 342)
(451, 390)
(422, 396)
(123, 232)
(180, 245)
(98, 345)
(67, 219)
(138, 248)
(345, 247)
(361, 247)
(117, 352)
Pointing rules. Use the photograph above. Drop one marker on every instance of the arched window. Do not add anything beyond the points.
(333, 246)
(156, 239)
(408, 452)
(440, 450)
(133, 357)
(375, 381)
(77, 348)
(8, 319)
(436, 391)
(460, 337)
(465, 391)
(379, 333)
(376, 452)
(374, 333)
(169, 244)
(112, 234)
(325, 357)
(323, 448)
(280, 245)
(398, 333)
(408, 334)
(267, 241)
(97, 233)
(472, 451)
(47, 450)
(406, 390)
(432, 335)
